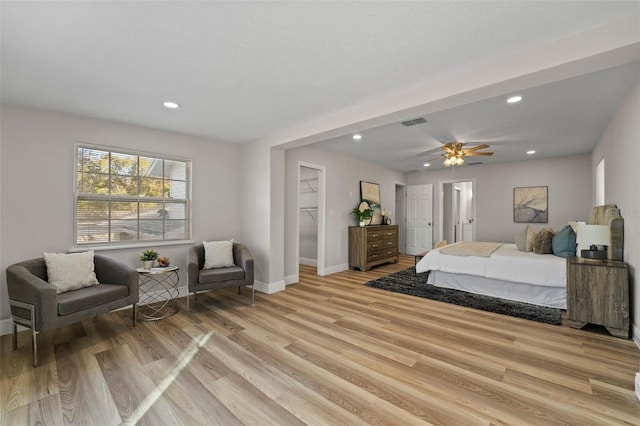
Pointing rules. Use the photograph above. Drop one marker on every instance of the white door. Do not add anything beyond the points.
(419, 235)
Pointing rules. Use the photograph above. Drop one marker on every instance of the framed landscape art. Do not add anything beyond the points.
(530, 204)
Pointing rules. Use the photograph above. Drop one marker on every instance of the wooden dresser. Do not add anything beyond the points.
(372, 245)
(598, 293)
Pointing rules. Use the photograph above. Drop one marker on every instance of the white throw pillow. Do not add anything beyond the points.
(521, 240)
(218, 254)
(70, 271)
(531, 236)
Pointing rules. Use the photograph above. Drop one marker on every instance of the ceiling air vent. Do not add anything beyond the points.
(415, 121)
(474, 164)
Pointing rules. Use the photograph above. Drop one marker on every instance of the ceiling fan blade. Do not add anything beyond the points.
(475, 148)
(430, 152)
(478, 154)
(439, 157)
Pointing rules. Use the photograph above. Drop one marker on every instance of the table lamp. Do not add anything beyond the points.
(593, 241)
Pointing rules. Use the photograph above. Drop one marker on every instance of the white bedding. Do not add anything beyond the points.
(505, 264)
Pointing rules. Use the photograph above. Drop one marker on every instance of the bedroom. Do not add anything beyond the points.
(40, 140)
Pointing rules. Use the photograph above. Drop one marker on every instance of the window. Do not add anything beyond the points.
(129, 198)
(600, 183)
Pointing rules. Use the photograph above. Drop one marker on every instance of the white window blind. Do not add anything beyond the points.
(124, 198)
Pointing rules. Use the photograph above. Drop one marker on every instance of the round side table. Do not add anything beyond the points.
(158, 292)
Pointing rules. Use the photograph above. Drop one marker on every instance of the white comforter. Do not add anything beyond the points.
(507, 264)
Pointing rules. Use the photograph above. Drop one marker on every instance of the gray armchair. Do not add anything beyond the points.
(238, 275)
(36, 305)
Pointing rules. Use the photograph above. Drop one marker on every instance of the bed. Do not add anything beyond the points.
(508, 273)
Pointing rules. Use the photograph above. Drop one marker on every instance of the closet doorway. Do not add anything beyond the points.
(311, 218)
(457, 211)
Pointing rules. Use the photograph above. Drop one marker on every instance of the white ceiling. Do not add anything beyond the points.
(243, 71)
(557, 119)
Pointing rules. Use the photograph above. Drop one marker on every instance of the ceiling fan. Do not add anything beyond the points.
(455, 151)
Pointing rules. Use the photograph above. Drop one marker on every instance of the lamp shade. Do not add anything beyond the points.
(593, 234)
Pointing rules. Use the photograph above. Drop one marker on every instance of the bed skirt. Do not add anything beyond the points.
(553, 297)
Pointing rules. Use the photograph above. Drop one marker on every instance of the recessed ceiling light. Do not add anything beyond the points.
(427, 164)
(357, 137)
(514, 99)
(169, 104)
(531, 152)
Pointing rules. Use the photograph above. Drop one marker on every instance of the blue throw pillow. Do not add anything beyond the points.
(563, 243)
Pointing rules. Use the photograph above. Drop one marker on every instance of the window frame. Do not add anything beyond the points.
(110, 245)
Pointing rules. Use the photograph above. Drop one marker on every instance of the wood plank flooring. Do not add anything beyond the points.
(327, 351)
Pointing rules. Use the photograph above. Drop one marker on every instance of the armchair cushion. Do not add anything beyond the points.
(68, 272)
(221, 274)
(218, 254)
(89, 297)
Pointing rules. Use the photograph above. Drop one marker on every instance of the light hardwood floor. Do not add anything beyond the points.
(327, 351)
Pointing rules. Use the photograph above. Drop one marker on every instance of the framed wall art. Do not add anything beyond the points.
(530, 204)
(370, 192)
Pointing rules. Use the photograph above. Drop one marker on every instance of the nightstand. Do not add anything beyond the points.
(598, 293)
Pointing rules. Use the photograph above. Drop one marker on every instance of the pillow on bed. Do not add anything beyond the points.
(542, 242)
(531, 236)
(564, 242)
(521, 240)
(440, 244)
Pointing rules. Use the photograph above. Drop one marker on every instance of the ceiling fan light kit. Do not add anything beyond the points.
(454, 153)
(453, 160)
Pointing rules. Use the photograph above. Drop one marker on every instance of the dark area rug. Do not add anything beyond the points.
(408, 282)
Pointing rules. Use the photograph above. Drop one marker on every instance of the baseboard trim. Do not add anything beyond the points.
(6, 326)
(291, 279)
(307, 261)
(270, 288)
(335, 269)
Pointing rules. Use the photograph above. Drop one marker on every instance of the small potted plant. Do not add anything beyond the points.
(148, 257)
(361, 215)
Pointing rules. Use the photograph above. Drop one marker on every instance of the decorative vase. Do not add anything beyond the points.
(361, 223)
(147, 264)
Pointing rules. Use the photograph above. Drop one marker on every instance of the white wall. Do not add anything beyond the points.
(37, 184)
(343, 176)
(620, 147)
(568, 179)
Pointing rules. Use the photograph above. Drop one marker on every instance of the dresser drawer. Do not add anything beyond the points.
(381, 254)
(391, 234)
(390, 244)
(375, 236)
(373, 245)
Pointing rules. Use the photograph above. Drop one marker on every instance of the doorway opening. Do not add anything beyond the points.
(401, 216)
(457, 211)
(311, 216)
